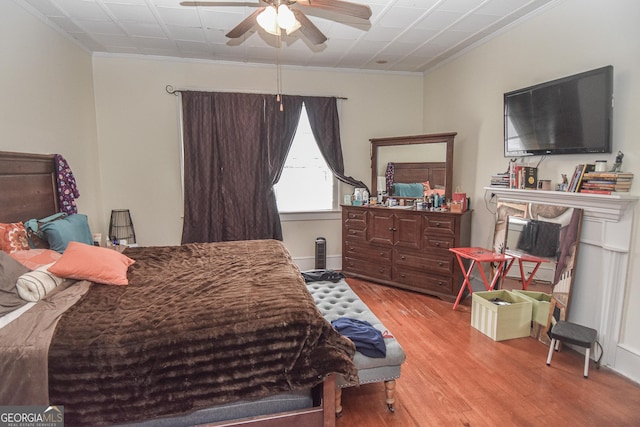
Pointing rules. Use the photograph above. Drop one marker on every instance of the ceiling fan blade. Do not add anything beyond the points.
(308, 28)
(245, 25)
(339, 6)
(219, 3)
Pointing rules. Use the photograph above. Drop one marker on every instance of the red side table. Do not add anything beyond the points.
(477, 256)
(523, 257)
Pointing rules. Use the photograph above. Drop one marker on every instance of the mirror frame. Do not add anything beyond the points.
(436, 138)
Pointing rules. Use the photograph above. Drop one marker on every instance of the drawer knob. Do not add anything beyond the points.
(403, 275)
(381, 270)
(437, 244)
(440, 263)
(403, 257)
(437, 224)
(381, 253)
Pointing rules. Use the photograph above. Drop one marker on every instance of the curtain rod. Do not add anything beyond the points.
(171, 91)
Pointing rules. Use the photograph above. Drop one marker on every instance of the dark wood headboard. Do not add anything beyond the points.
(27, 186)
(434, 172)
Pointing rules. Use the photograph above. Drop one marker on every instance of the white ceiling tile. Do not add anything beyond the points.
(502, 7)
(459, 6)
(113, 40)
(473, 23)
(66, 24)
(83, 9)
(417, 4)
(187, 33)
(223, 20)
(410, 34)
(187, 17)
(132, 13)
(100, 27)
(45, 7)
(143, 30)
(438, 20)
(399, 17)
(194, 47)
(382, 34)
(416, 36)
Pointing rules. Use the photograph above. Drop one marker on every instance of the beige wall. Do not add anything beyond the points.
(138, 132)
(569, 37)
(47, 103)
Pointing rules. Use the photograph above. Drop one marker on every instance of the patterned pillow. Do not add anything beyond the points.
(13, 237)
(36, 258)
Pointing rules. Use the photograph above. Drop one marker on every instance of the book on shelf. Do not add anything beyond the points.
(612, 176)
(530, 178)
(607, 181)
(521, 176)
(578, 177)
(589, 191)
(500, 180)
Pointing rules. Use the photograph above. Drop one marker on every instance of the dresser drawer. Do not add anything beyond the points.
(423, 281)
(436, 241)
(353, 233)
(367, 252)
(354, 217)
(439, 225)
(431, 262)
(367, 268)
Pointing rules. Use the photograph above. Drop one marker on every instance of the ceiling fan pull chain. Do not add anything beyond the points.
(279, 72)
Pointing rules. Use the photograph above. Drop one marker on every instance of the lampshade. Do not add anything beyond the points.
(121, 226)
(272, 20)
(268, 20)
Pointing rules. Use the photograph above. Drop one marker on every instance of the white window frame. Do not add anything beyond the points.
(333, 213)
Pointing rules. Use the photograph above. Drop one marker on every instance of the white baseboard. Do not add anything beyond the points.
(627, 363)
(334, 262)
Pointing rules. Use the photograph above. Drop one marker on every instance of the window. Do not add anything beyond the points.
(306, 183)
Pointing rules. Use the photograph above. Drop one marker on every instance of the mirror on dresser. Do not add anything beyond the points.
(543, 231)
(432, 154)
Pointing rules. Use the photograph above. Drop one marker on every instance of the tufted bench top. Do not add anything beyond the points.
(336, 300)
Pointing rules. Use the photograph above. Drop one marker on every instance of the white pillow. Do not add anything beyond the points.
(34, 285)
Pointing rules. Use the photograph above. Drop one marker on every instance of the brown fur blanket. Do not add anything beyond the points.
(198, 325)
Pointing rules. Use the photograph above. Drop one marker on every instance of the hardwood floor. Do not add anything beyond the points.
(456, 376)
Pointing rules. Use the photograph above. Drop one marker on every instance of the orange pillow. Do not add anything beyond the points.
(100, 265)
(13, 237)
(35, 258)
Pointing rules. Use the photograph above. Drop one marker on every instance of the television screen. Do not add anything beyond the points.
(565, 116)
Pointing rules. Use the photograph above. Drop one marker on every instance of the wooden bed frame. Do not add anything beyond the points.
(28, 190)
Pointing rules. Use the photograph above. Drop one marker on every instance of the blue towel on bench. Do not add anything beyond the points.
(367, 339)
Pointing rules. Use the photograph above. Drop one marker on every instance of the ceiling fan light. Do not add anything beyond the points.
(286, 19)
(268, 20)
(295, 27)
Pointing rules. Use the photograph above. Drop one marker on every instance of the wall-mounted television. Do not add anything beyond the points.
(565, 116)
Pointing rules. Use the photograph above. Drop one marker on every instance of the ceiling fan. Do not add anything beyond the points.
(275, 16)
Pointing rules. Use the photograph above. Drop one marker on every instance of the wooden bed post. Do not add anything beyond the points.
(329, 393)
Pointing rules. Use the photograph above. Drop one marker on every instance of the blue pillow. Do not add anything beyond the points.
(408, 190)
(62, 231)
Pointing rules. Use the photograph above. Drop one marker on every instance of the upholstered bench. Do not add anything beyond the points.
(338, 300)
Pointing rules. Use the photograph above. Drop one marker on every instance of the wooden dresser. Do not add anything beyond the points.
(406, 248)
